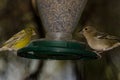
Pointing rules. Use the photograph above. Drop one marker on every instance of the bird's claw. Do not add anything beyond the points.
(98, 54)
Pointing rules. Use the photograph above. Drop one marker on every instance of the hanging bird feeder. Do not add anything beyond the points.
(59, 18)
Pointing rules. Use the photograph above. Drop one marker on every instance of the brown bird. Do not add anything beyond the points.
(99, 41)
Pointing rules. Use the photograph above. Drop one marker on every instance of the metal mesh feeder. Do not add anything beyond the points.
(59, 18)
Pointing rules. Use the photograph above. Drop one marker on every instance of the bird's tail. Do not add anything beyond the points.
(5, 49)
(2, 49)
(9, 50)
(115, 45)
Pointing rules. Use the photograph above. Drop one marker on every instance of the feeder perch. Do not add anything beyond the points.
(59, 18)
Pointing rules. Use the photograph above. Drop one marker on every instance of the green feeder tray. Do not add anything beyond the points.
(59, 50)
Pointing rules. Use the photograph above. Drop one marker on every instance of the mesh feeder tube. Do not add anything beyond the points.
(59, 19)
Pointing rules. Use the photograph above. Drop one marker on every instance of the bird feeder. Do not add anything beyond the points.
(59, 18)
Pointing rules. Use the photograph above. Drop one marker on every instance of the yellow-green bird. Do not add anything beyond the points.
(21, 39)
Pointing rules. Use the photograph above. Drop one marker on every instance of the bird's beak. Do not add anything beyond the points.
(80, 32)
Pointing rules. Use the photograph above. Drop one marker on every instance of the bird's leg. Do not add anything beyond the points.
(98, 53)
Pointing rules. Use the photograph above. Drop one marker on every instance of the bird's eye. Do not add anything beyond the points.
(86, 29)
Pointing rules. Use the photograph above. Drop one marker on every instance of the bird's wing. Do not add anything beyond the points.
(15, 37)
(106, 36)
